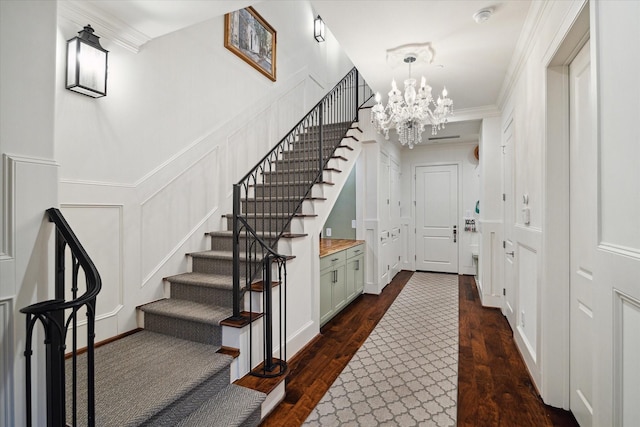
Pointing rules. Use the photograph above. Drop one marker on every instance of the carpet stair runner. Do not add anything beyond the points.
(170, 373)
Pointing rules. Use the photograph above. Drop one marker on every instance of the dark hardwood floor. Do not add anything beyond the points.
(494, 388)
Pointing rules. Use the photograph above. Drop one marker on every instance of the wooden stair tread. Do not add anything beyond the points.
(264, 385)
(244, 320)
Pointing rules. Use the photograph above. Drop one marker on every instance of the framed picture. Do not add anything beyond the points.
(251, 38)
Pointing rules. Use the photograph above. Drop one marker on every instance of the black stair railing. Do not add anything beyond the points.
(266, 200)
(58, 317)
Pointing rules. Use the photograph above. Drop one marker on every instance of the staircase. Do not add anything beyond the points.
(179, 368)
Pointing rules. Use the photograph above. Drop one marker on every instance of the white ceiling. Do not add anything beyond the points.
(470, 59)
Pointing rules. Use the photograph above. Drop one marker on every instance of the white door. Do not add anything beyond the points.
(385, 222)
(437, 218)
(583, 231)
(508, 191)
(394, 216)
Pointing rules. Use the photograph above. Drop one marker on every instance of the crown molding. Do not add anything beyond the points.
(535, 16)
(106, 25)
(474, 113)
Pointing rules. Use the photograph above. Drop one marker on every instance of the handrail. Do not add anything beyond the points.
(293, 129)
(91, 272)
(51, 314)
(270, 195)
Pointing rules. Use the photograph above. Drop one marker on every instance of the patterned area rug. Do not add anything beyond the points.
(406, 372)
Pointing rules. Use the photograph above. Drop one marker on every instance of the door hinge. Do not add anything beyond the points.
(415, 257)
(504, 197)
(504, 245)
(387, 201)
(504, 292)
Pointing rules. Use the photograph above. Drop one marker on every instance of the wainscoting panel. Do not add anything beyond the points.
(100, 229)
(626, 354)
(490, 263)
(6, 362)
(175, 210)
(527, 317)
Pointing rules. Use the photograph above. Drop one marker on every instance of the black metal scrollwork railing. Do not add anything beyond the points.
(270, 196)
(58, 317)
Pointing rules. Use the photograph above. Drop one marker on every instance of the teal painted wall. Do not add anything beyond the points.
(343, 212)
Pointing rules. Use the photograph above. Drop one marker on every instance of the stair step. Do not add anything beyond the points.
(216, 262)
(185, 319)
(223, 240)
(151, 379)
(269, 234)
(218, 281)
(200, 287)
(234, 406)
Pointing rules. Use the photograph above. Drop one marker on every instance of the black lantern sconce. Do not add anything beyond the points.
(318, 29)
(87, 64)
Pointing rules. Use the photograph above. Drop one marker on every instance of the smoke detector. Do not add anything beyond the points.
(482, 15)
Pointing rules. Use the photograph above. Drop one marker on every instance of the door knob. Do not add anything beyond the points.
(512, 253)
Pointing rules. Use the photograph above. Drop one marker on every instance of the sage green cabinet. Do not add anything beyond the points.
(355, 276)
(341, 280)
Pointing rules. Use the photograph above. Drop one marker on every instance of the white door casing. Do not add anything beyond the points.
(437, 233)
(583, 232)
(509, 291)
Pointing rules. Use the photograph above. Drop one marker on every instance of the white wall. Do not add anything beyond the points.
(147, 170)
(524, 108)
(490, 251)
(541, 171)
(29, 186)
(469, 192)
(376, 218)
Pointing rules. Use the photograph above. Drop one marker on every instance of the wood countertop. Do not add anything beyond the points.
(331, 246)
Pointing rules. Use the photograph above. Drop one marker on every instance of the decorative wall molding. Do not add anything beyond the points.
(620, 250)
(96, 183)
(626, 346)
(119, 263)
(176, 248)
(106, 25)
(6, 362)
(7, 230)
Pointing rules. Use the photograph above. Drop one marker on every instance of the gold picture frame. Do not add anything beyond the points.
(250, 37)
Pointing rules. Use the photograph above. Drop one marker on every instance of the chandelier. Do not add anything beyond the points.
(409, 114)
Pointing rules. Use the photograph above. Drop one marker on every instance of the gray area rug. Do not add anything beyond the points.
(406, 372)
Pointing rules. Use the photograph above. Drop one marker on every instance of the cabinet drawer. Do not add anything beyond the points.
(355, 251)
(332, 260)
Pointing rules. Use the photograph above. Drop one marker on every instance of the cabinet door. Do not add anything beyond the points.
(326, 301)
(359, 274)
(352, 271)
(339, 288)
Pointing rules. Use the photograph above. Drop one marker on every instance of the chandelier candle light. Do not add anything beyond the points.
(410, 113)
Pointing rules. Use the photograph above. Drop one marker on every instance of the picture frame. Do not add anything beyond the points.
(250, 37)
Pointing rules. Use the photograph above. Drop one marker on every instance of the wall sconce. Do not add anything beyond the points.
(318, 29)
(87, 64)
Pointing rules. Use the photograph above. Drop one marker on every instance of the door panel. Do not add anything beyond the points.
(509, 290)
(583, 209)
(386, 248)
(394, 213)
(437, 218)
